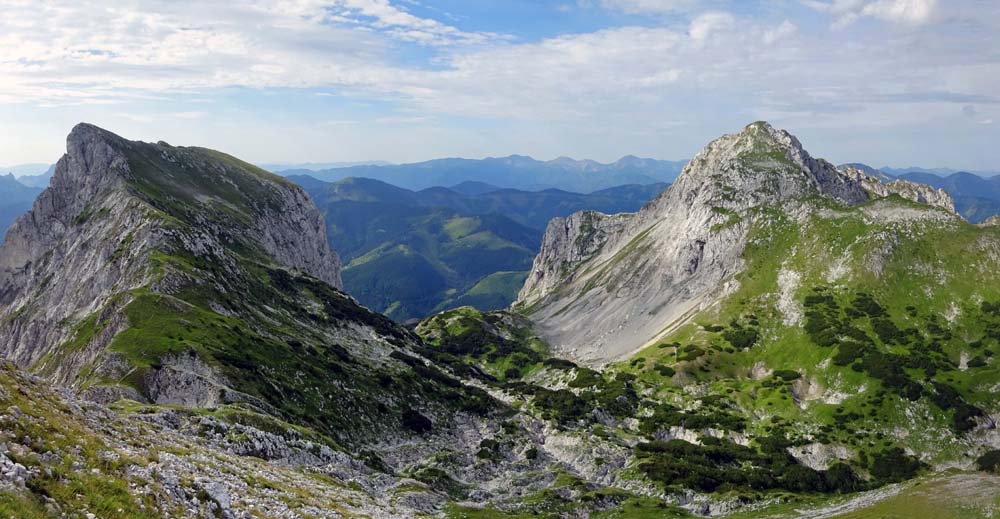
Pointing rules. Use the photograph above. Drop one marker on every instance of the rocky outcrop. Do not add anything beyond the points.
(913, 191)
(54, 263)
(603, 286)
(70, 265)
(569, 242)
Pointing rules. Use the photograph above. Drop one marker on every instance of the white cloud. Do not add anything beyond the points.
(49, 53)
(653, 82)
(705, 24)
(647, 6)
(786, 29)
(404, 25)
(914, 12)
(974, 114)
(906, 11)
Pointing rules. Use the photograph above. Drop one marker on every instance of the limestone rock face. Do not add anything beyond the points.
(913, 191)
(113, 205)
(603, 286)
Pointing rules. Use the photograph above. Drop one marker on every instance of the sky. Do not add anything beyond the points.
(885, 82)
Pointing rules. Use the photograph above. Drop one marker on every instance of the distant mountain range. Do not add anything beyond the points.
(976, 198)
(941, 172)
(317, 166)
(31, 175)
(515, 172)
(410, 253)
(15, 200)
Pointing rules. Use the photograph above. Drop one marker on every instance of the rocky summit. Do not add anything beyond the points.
(772, 336)
(603, 286)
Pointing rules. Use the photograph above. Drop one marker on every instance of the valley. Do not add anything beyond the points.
(409, 254)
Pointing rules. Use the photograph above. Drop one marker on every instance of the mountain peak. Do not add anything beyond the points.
(762, 165)
(88, 132)
(123, 216)
(614, 282)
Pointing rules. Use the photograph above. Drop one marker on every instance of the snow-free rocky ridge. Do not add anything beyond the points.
(603, 286)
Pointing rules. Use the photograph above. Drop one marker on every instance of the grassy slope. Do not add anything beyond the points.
(933, 270)
(928, 278)
(440, 260)
(280, 337)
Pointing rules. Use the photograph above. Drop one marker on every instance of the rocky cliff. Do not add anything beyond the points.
(913, 191)
(603, 286)
(113, 205)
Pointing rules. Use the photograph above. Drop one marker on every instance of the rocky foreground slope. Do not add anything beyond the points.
(183, 276)
(603, 286)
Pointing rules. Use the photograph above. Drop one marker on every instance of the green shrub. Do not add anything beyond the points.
(741, 337)
(989, 462)
(842, 479)
(585, 377)
(561, 405)
(664, 370)
(848, 352)
(787, 374)
(894, 465)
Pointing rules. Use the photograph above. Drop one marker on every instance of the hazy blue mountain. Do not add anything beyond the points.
(41, 180)
(530, 208)
(513, 172)
(15, 200)
(961, 183)
(316, 166)
(410, 253)
(21, 170)
(976, 209)
(471, 187)
(976, 198)
(941, 172)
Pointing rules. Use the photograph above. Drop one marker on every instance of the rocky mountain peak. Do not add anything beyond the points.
(762, 165)
(604, 285)
(117, 217)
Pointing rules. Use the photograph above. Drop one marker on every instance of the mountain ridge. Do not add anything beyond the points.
(514, 171)
(183, 276)
(684, 244)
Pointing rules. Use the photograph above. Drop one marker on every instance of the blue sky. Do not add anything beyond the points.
(888, 82)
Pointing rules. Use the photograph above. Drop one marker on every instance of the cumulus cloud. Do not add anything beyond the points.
(52, 53)
(697, 68)
(705, 24)
(913, 12)
(780, 32)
